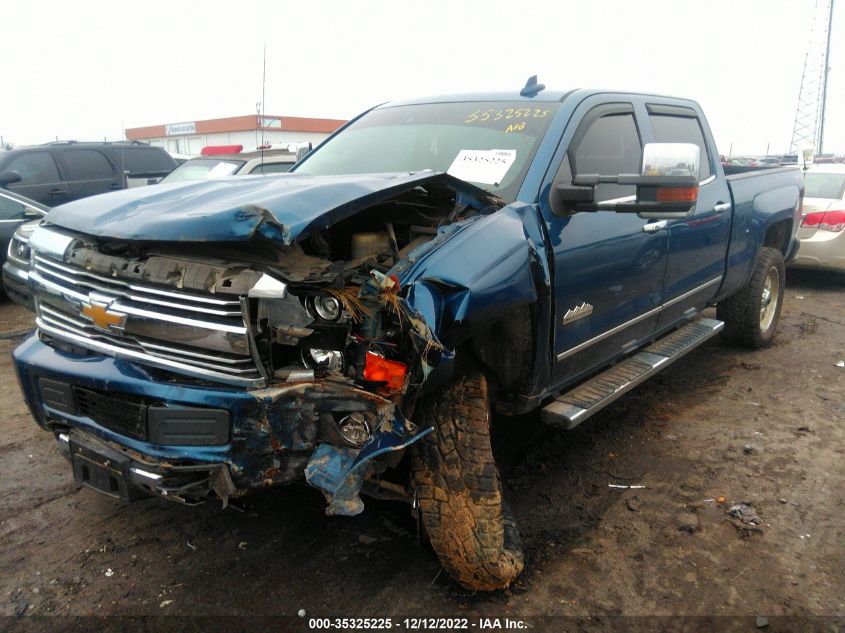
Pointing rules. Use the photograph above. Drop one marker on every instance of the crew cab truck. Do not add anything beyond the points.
(355, 323)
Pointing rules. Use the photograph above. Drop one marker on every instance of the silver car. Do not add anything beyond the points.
(822, 232)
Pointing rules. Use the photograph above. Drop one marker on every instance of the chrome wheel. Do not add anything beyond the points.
(769, 299)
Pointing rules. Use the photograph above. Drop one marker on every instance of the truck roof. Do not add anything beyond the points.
(515, 96)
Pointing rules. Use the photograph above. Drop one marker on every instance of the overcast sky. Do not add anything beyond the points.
(87, 70)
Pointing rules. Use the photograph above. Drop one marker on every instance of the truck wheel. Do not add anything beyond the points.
(751, 315)
(458, 488)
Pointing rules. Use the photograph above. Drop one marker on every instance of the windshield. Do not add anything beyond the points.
(821, 185)
(487, 143)
(200, 168)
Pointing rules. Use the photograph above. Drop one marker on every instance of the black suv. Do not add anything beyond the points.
(68, 170)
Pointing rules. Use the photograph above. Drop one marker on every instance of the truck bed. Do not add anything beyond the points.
(760, 197)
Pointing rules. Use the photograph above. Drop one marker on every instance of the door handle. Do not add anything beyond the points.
(55, 191)
(654, 227)
(721, 207)
(115, 186)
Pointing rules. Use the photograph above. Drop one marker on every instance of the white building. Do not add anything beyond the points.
(251, 130)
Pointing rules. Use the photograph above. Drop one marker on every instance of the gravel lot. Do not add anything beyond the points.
(765, 428)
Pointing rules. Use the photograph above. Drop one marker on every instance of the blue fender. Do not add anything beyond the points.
(477, 271)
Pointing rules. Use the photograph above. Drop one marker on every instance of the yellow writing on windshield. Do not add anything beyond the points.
(505, 114)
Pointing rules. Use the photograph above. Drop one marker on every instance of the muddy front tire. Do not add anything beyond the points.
(751, 315)
(459, 491)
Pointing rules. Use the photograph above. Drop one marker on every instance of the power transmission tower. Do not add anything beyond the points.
(808, 130)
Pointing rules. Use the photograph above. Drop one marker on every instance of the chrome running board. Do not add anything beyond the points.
(575, 406)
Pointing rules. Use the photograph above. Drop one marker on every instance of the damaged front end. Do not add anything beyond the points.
(304, 337)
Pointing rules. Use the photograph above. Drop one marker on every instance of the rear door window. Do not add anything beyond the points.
(677, 128)
(35, 168)
(87, 164)
(143, 160)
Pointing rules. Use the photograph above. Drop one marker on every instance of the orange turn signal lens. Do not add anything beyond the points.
(380, 369)
(677, 194)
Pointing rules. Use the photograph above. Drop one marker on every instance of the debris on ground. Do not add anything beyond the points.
(841, 363)
(242, 545)
(626, 487)
(109, 573)
(761, 622)
(744, 518)
(745, 512)
(165, 603)
(748, 449)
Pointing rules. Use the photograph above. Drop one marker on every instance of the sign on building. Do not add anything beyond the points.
(175, 129)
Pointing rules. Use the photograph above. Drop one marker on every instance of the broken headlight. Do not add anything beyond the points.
(322, 358)
(279, 313)
(324, 307)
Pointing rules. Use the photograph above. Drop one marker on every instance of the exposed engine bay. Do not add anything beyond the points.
(328, 304)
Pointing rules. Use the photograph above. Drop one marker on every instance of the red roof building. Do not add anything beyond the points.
(251, 130)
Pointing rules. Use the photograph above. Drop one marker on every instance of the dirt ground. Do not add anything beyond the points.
(765, 428)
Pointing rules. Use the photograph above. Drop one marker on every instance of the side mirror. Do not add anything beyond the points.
(667, 186)
(9, 177)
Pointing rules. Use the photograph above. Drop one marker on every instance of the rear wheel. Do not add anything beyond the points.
(459, 491)
(751, 315)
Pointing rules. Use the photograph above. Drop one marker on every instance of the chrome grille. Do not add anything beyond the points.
(200, 335)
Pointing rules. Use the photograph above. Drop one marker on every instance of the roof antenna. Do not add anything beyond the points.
(531, 87)
(261, 116)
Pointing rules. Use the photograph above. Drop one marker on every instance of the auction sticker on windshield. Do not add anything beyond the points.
(485, 166)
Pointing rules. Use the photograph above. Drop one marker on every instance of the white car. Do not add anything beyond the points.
(822, 232)
(214, 165)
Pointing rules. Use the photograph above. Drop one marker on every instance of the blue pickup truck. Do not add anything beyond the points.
(354, 324)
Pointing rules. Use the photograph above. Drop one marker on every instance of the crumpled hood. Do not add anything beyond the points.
(279, 208)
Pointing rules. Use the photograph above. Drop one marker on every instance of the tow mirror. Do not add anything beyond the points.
(667, 186)
(9, 177)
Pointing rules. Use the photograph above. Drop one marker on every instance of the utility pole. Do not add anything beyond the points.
(824, 83)
(809, 115)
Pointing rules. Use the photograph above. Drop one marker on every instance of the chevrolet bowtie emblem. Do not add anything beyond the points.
(103, 318)
(578, 312)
